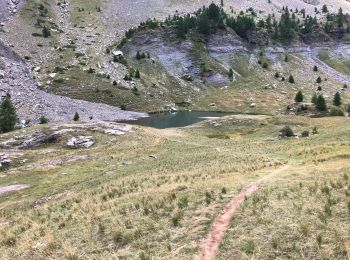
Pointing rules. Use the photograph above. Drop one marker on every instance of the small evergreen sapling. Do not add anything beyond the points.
(76, 117)
(291, 79)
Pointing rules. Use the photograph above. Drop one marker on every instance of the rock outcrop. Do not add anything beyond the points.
(4, 160)
(80, 142)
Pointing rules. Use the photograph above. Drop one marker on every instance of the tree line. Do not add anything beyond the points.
(208, 20)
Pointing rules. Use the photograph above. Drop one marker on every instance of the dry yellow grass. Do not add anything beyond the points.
(119, 202)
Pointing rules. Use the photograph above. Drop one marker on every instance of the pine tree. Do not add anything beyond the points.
(230, 73)
(291, 79)
(182, 28)
(8, 116)
(324, 9)
(337, 99)
(299, 97)
(318, 80)
(287, 26)
(43, 120)
(46, 32)
(315, 68)
(340, 18)
(76, 117)
(314, 99)
(137, 74)
(321, 103)
(138, 55)
(203, 24)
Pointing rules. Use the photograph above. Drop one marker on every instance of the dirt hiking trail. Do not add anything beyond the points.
(210, 245)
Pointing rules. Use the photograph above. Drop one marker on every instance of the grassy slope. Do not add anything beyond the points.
(108, 207)
(259, 86)
(302, 213)
(340, 64)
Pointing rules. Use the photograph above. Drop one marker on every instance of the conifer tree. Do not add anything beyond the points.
(230, 73)
(46, 32)
(337, 99)
(324, 9)
(340, 18)
(291, 79)
(76, 117)
(321, 103)
(299, 97)
(8, 116)
(203, 24)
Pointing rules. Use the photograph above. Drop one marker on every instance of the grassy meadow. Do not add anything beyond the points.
(153, 194)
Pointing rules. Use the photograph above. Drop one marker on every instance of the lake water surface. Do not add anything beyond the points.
(177, 119)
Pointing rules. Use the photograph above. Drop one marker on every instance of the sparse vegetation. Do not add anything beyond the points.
(43, 120)
(336, 111)
(286, 132)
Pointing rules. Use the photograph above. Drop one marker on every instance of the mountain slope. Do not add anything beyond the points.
(192, 74)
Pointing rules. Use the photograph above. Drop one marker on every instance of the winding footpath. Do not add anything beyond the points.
(210, 245)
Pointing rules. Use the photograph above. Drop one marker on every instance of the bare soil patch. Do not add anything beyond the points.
(10, 188)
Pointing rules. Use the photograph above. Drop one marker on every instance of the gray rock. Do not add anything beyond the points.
(80, 142)
(4, 160)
